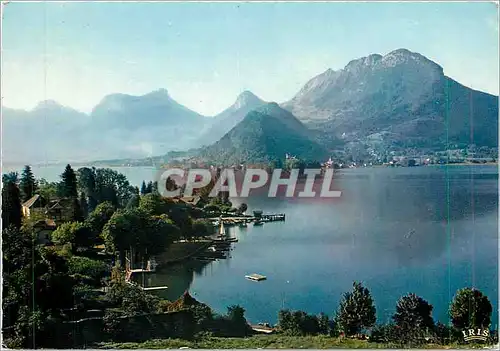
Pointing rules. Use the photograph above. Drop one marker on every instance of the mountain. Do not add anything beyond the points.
(46, 133)
(150, 124)
(265, 134)
(230, 117)
(402, 99)
(120, 126)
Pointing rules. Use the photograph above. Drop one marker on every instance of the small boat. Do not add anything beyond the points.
(256, 277)
(243, 224)
(258, 223)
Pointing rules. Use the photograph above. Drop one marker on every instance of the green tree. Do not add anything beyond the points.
(11, 205)
(75, 233)
(69, 183)
(118, 233)
(83, 205)
(324, 324)
(154, 204)
(48, 190)
(470, 308)
(180, 217)
(298, 323)
(149, 187)
(99, 217)
(87, 185)
(202, 227)
(112, 186)
(236, 316)
(11, 177)
(143, 188)
(413, 318)
(27, 184)
(356, 310)
(147, 235)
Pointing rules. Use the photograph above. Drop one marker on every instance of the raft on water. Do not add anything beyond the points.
(256, 277)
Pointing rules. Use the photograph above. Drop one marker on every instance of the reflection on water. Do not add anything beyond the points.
(428, 230)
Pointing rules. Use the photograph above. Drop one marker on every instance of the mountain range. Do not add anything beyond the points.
(399, 100)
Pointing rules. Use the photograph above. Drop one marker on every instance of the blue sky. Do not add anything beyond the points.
(205, 54)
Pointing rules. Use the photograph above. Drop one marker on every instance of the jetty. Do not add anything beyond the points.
(244, 220)
(149, 288)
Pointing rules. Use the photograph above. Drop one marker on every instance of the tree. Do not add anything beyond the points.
(27, 184)
(87, 185)
(154, 204)
(99, 217)
(470, 309)
(202, 228)
(236, 316)
(83, 205)
(298, 323)
(112, 186)
(149, 187)
(118, 233)
(11, 204)
(154, 188)
(75, 233)
(413, 318)
(181, 218)
(133, 202)
(324, 324)
(147, 235)
(143, 188)
(356, 310)
(69, 183)
(10, 177)
(48, 190)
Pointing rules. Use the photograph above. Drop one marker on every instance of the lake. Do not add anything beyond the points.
(426, 230)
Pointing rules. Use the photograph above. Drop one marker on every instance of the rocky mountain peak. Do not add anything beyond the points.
(246, 98)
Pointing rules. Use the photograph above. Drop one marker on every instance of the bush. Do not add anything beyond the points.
(385, 333)
(299, 323)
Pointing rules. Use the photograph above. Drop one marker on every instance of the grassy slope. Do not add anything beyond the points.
(268, 341)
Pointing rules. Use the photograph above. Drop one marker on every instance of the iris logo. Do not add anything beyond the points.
(476, 334)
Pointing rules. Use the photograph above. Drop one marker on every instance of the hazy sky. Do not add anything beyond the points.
(205, 54)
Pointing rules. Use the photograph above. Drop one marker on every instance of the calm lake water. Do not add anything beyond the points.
(426, 230)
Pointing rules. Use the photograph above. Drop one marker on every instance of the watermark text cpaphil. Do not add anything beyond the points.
(314, 182)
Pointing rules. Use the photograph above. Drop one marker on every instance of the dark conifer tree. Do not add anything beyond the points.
(149, 188)
(27, 185)
(69, 183)
(11, 205)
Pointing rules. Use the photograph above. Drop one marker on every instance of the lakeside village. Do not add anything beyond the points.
(344, 159)
(71, 249)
